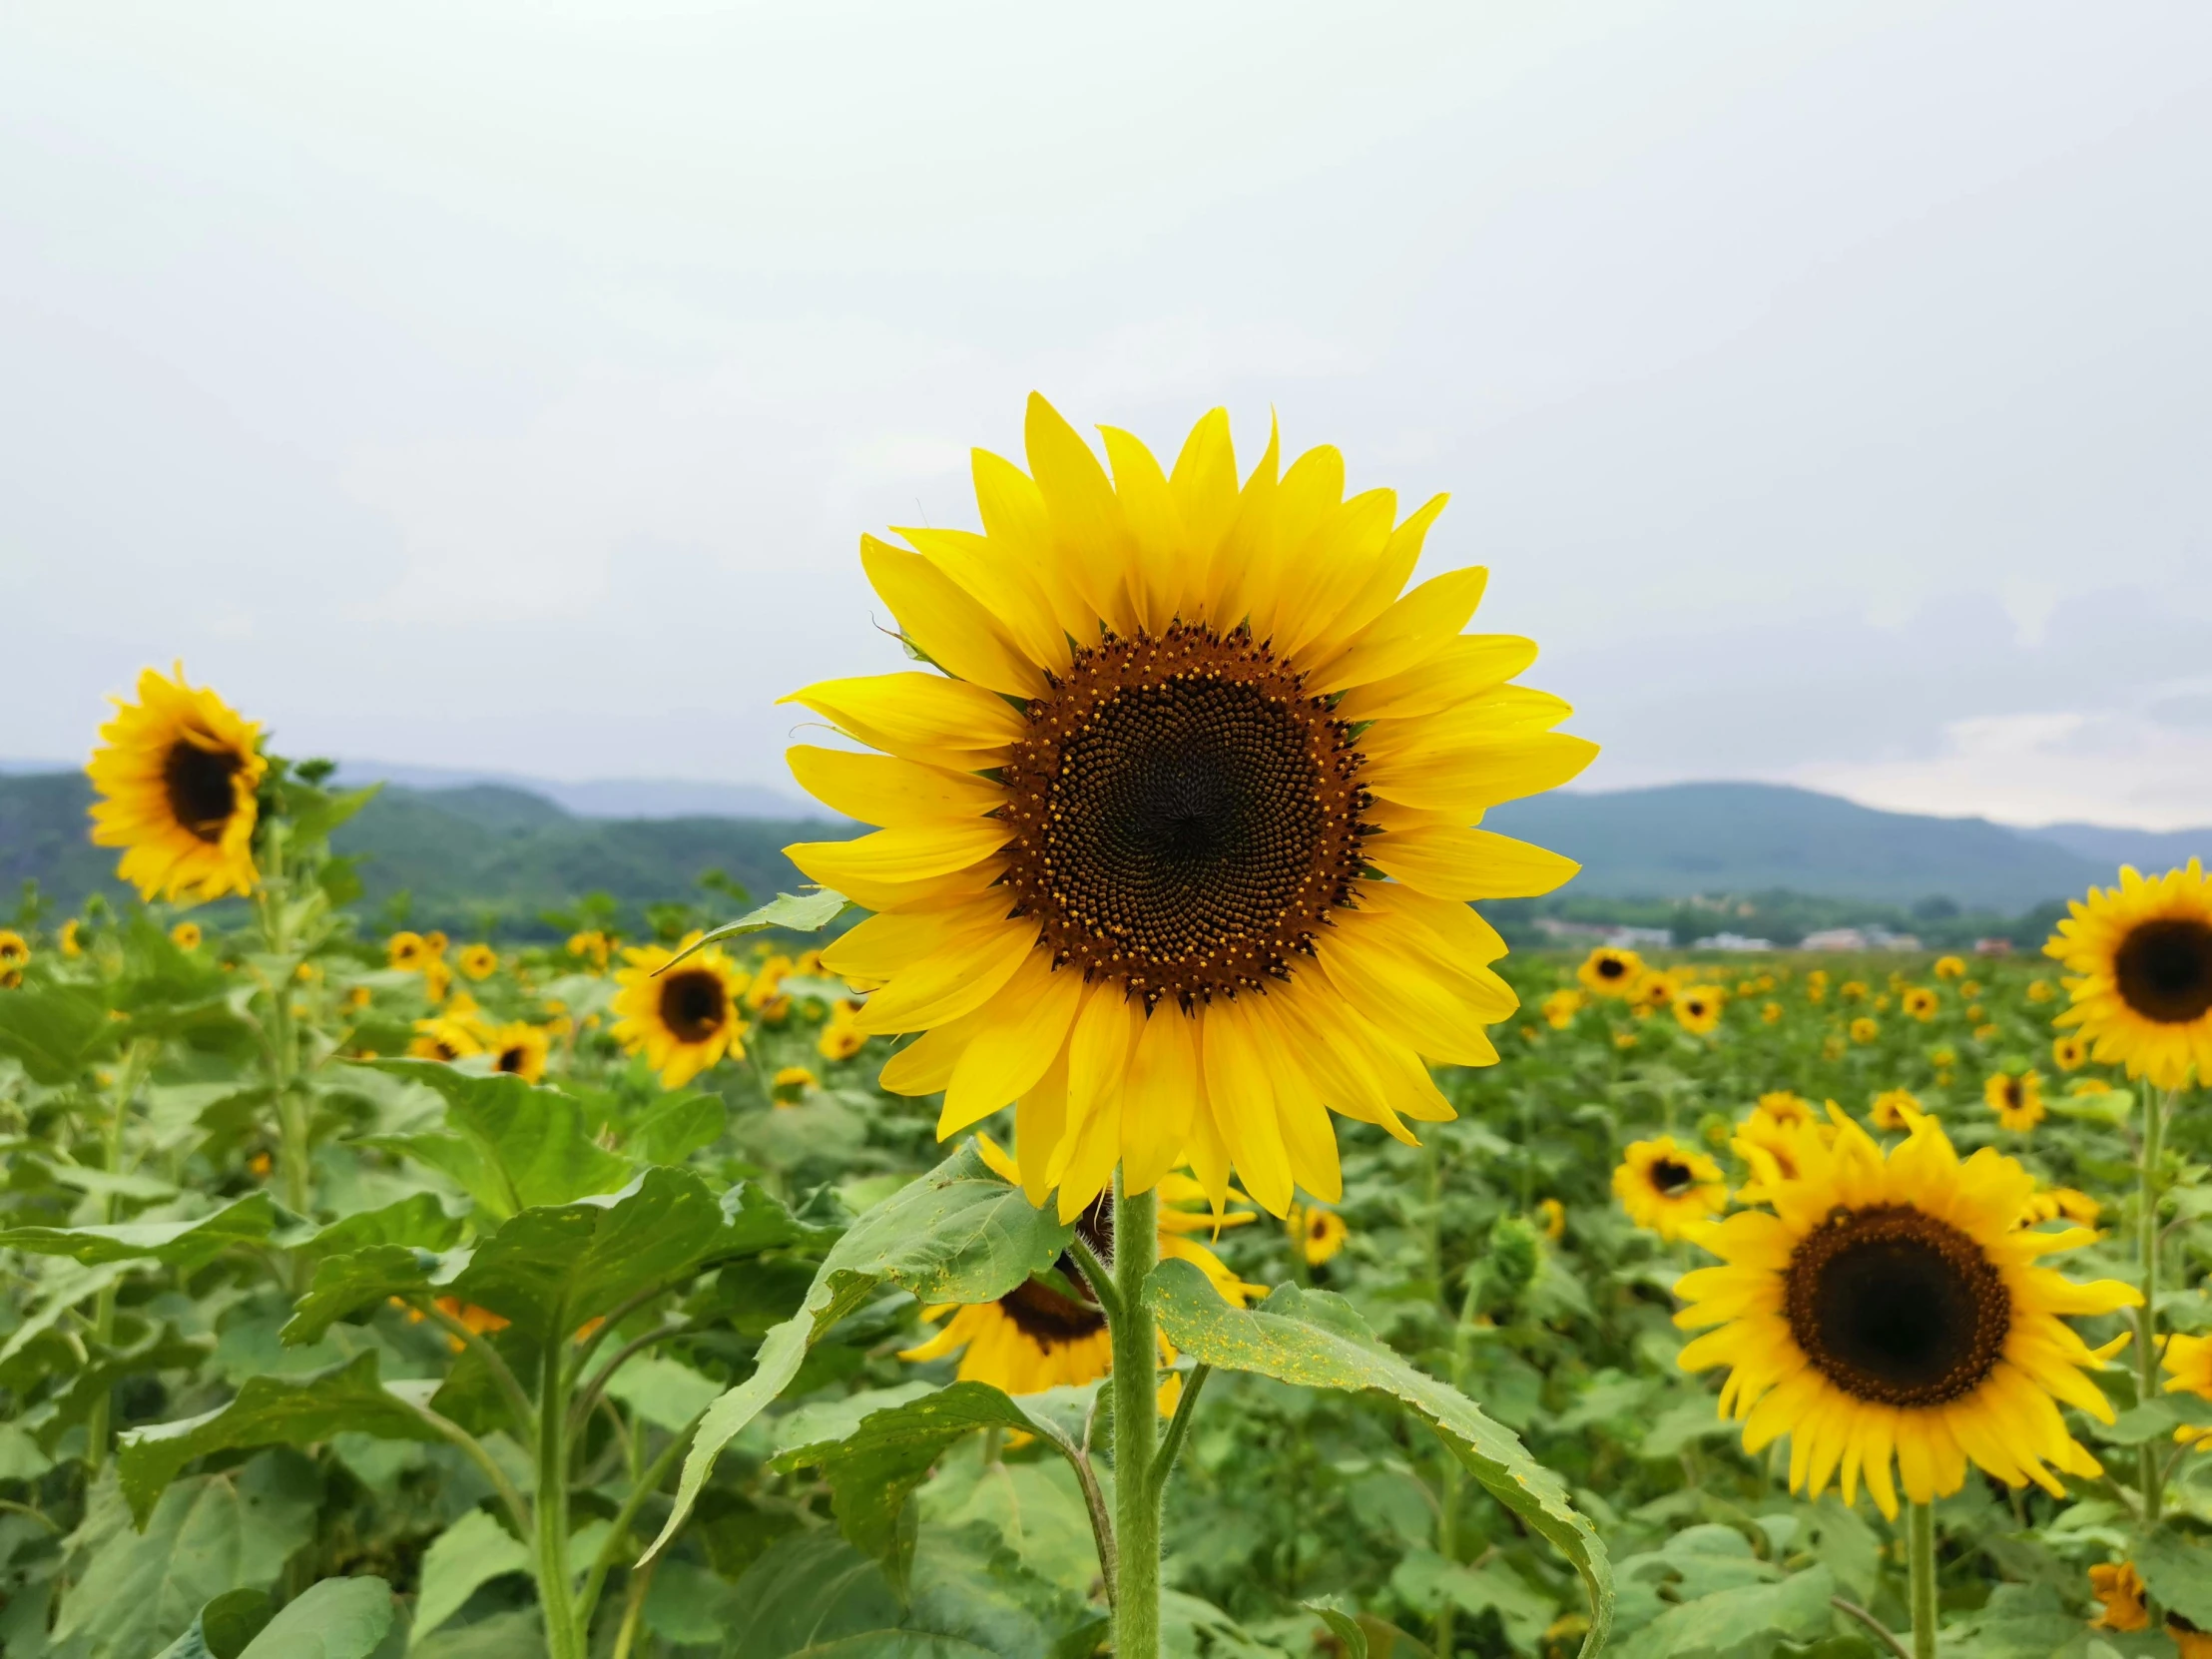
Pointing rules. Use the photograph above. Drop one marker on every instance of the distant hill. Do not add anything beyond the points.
(484, 847)
(601, 798)
(2147, 850)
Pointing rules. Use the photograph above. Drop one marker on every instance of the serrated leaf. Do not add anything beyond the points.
(176, 1242)
(958, 1234)
(419, 1222)
(55, 1031)
(2178, 1573)
(463, 1558)
(268, 1410)
(1315, 1339)
(344, 1285)
(1797, 1608)
(510, 1144)
(339, 1618)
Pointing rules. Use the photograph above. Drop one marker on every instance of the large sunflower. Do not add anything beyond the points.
(2141, 959)
(1046, 1332)
(683, 1019)
(1177, 851)
(1891, 1307)
(177, 771)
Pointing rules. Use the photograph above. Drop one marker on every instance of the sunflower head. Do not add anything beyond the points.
(1610, 972)
(1655, 988)
(1562, 1006)
(791, 1085)
(592, 944)
(446, 1038)
(1919, 1002)
(681, 1019)
(15, 950)
(73, 938)
(479, 961)
(186, 935)
(1551, 1216)
(2188, 1362)
(2041, 990)
(2139, 957)
(840, 1040)
(177, 773)
(1178, 846)
(1951, 968)
(406, 951)
(520, 1050)
(1894, 1110)
(2017, 1097)
(2120, 1588)
(1666, 1186)
(1318, 1232)
(1698, 1010)
(1786, 1106)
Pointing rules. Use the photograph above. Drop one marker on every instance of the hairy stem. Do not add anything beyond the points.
(563, 1639)
(1921, 1550)
(2150, 1473)
(1136, 1430)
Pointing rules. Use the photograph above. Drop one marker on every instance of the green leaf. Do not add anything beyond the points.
(339, 1618)
(224, 1628)
(515, 1635)
(678, 1127)
(803, 912)
(345, 1283)
(691, 1607)
(2020, 1621)
(1341, 1626)
(510, 1144)
(1425, 1578)
(463, 1558)
(55, 1031)
(1315, 1339)
(268, 1410)
(322, 812)
(2178, 1573)
(960, 1234)
(664, 1392)
(418, 1221)
(177, 1243)
(1797, 1608)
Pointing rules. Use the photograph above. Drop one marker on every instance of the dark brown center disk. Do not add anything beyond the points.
(1610, 967)
(1183, 814)
(694, 1004)
(198, 782)
(1671, 1179)
(1047, 1318)
(2164, 970)
(1896, 1307)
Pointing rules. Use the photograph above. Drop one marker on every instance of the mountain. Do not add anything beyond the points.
(599, 797)
(2149, 850)
(1686, 839)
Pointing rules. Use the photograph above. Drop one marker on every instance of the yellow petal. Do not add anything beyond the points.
(948, 985)
(1160, 545)
(880, 789)
(1244, 541)
(1422, 1008)
(1040, 1120)
(945, 624)
(1469, 779)
(923, 716)
(1332, 565)
(1240, 1091)
(1089, 531)
(1454, 862)
(1204, 484)
(925, 1066)
(1009, 1056)
(1414, 628)
(1160, 1095)
(1003, 580)
(1469, 665)
(1311, 491)
(912, 853)
(1307, 1136)
(1385, 581)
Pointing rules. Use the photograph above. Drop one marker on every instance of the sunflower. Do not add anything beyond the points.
(681, 1020)
(479, 961)
(1951, 968)
(1890, 1306)
(1770, 1146)
(1552, 1218)
(520, 1049)
(1919, 1002)
(1047, 1331)
(1864, 1031)
(791, 1084)
(1786, 1106)
(1698, 1010)
(1606, 972)
(2016, 1098)
(2120, 1588)
(840, 1040)
(2057, 1203)
(2189, 1359)
(1852, 991)
(186, 935)
(73, 938)
(1177, 850)
(1665, 1186)
(2142, 959)
(15, 950)
(1770, 1012)
(406, 951)
(1562, 1006)
(177, 771)
(2070, 1053)
(446, 1038)
(1893, 1109)
(1655, 989)
(592, 944)
(1318, 1232)
(2041, 990)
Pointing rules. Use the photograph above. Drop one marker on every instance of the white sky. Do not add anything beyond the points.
(1828, 387)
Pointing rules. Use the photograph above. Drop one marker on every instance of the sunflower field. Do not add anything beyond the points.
(1131, 1203)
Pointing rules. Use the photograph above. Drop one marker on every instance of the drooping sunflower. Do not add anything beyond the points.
(177, 771)
(685, 1019)
(1698, 1010)
(1919, 1002)
(73, 938)
(1562, 1006)
(2140, 961)
(1891, 1307)
(520, 1049)
(1665, 1186)
(1177, 854)
(1610, 972)
(1552, 1218)
(1046, 1332)
(791, 1085)
(2017, 1097)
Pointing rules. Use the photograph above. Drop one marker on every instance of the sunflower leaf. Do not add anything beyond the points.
(958, 1234)
(55, 1031)
(1316, 1339)
(2179, 1573)
(510, 1144)
(806, 912)
(177, 1243)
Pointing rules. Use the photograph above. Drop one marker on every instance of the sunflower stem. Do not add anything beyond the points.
(1921, 1551)
(563, 1640)
(1137, 1495)
(2151, 1475)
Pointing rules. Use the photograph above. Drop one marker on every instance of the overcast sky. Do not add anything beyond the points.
(1828, 388)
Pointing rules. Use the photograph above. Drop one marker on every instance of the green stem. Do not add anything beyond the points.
(1447, 1502)
(563, 1640)
(1922, 1549)
(1136, 1430)
(98, 1420)
(2151, 1473)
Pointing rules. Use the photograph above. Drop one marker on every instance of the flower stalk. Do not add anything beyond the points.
(1920, 1550)
(1137, 1485)
(2149, 1464)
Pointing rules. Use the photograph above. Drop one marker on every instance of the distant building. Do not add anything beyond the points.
(1606, 933)
(1643, 938)
(1731, 941)
(1858, 938)
(1992, 947)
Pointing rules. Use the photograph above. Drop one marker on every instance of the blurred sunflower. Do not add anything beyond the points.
(1894, 1110)
(1891, 1307)
(2142, 959)
(684, 1020)
(1698, 1010)
(1609, 972)
(1770, 1012)
(2189, 1359)
(840, 1039)
(186, 935)
(2061, 1203)
(1665, 1186)
(2016, 1098)
(592, 944)
(446, 1038)
(15, 950)
(1318, 1232)
(1047, 1331)
(2041, 990)
(1919, 1002)
(520, 1049)
(1786, 1106)
(1552, 1217)
(1655, 989)
(177, 771)
(1951, 968)
(2120, 1588)
(1864, 1031)
(1852, 991)
(2070, 1053)
(1770, 1146)
(479, 961)
(1177, 850)
(1562, 1006)
(790, 1085)
(73, 938)
(406, 951)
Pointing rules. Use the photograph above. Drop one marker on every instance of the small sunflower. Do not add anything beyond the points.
(479, 961)
(2017, 1097)
(186, 935)
(593, 946)
(1698, 1010)
(1951, 968)
(1665, 1186)
(1562, 1006)
(1319, 1232)
(73, 938)
(2140, 955)
(684, 1020)
(2120, 1588)
(1552, 1217)
(791, 1084)
(177, 773)
(1656, 988)
(1047, 1331)
(1892, 1307)
(15, 950)
(1864, 1031)
(1786, 1106)
(2041, 990)
(1770, 1012)
(520, 1049)
(1919, 1002)
(446, 1038)
(1894, 1110)
(2070, 1053)
(2189, 1359)
(1852, 991)
(1178, 847)
(1770, 1147)
(840, 1039)
(407, 951)
(1610, 972)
